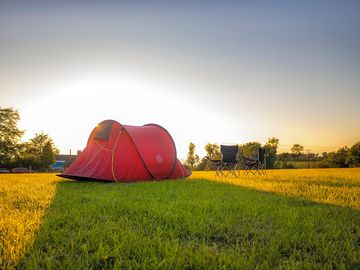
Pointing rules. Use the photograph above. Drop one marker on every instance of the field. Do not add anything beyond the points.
(303, 164)
(295, 219)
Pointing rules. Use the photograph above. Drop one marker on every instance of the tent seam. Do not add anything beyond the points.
(113, 157)
(142, 160)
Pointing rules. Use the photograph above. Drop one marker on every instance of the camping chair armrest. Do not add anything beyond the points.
(248, 161)
(214, 161)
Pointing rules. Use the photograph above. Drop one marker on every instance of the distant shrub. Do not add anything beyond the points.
(283, 165)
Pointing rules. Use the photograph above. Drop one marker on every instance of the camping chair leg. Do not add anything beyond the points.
(251, 168)
(233, 171)
(236, 172)
(246, 170)
(229, 170)
(261, 169)
(218, 172)
(221, 170)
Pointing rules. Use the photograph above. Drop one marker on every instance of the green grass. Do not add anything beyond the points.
(202, 224)
(303, 164)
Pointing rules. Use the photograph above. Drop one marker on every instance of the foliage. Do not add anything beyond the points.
(297, 150)
(304, 164)
(203, 165)
(48, 155)
(284, 157)
(292, 161)
(201, 223)
(9, 135)
(271, 149)
(39, 152)
(192, 159)
(353, 159)
(302, 157)
(283, 165)
(249, 149)
(213, 151)
(343, 158)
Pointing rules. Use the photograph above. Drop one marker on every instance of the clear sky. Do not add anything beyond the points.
(208, 71)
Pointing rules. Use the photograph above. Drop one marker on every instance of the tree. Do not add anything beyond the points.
(249, 149)
(192, 159)
(353, 159)
(284, 157)
(297, 150)
(341, 157)
(203, 165)
(10, 135)
(271, 149)
(39, 152)
(213, 150)
(47, 155)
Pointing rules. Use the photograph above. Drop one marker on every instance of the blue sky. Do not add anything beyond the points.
(218, 71)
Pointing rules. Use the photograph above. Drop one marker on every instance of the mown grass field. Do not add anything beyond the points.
(295, 219)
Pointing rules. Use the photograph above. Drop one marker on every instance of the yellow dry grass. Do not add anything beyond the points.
(24, 199)
(332, 186)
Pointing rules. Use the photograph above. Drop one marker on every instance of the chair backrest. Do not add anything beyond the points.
(262, 154)
(229, 153)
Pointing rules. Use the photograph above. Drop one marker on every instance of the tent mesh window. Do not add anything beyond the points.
(104, 130)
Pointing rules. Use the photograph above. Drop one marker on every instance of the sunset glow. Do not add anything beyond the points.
(224, 73)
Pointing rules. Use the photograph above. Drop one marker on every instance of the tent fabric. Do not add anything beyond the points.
(125, 153)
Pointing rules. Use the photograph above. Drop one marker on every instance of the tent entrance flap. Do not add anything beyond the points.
(104, 130)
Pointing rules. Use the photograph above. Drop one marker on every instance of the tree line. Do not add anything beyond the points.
(38, 153)
(248, 150)
(345, 157)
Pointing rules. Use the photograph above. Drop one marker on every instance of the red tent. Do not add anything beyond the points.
(123, 153)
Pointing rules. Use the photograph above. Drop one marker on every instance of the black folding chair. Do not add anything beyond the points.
(257, 164)
(228, 165)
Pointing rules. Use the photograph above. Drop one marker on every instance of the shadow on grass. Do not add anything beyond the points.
(190, 224)
(344, 192)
